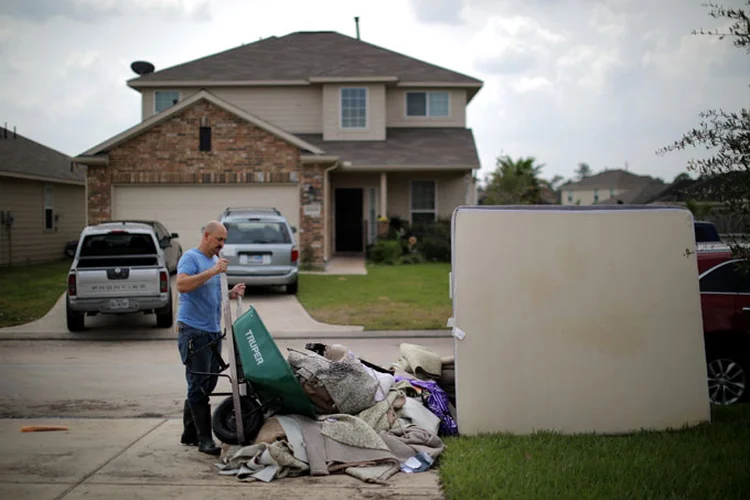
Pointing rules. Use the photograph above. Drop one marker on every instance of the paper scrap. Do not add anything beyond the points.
(458, 333)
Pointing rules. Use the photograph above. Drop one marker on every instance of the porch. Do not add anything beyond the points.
(358, 199)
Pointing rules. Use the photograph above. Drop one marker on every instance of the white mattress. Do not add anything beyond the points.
(576, 319)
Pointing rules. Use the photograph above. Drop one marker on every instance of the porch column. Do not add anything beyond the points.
(383, 225)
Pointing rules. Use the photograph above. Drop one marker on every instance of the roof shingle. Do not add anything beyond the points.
(301, 55)
(617, 179)
(23, 156)
(449, 146)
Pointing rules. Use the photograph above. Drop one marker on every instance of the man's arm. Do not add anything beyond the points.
(189, 282)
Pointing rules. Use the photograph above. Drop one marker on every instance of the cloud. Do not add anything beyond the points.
(438, 11)
(511, 60)
(93, 10)
(532, 84)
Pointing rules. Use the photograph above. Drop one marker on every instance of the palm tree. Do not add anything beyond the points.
(514, 182)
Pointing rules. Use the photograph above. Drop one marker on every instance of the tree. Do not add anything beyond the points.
(583, 171)
(684, 176)
(725, 133)
(556, 182)
(514, 182)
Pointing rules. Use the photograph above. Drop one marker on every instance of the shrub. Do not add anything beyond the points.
(412, 258)
(434, 240)
(386, 252)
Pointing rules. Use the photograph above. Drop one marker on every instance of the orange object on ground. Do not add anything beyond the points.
(44, 428)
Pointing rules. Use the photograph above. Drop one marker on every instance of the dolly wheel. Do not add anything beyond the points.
(224, 423)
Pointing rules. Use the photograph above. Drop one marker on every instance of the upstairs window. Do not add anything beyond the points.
(432, 104)
(165, 99)
(354, 107)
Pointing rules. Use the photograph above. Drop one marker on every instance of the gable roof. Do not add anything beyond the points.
(172, 110)
(415, 147)
(637, 196)
(302, 57)
(24, 158)
(616, 179)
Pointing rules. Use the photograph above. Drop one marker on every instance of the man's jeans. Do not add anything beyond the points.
(189, 341)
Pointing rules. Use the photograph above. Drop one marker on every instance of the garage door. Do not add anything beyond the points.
(185, 209)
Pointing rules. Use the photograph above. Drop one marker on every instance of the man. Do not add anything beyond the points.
(199, 324)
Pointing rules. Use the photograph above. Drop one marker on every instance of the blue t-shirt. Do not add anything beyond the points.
(200, 308)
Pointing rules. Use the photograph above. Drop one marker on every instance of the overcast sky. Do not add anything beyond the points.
(602, 81)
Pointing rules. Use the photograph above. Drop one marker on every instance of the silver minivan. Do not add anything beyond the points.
(261, 248)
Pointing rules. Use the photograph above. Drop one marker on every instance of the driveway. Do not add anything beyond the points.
(282, 314)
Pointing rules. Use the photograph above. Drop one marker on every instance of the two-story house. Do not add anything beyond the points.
(609, 186)
(333, 131)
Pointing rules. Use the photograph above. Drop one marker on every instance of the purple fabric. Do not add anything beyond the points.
(437, 402)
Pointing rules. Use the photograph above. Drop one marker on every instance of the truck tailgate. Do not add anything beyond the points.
(117, 282)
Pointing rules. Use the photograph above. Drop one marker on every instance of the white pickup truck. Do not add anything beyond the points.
(118, 268)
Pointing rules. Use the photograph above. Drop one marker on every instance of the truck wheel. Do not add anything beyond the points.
(164, 316)
(292, 289)
(75, 319)
(224, 423)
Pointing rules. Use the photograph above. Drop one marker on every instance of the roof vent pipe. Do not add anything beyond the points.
(356, 23)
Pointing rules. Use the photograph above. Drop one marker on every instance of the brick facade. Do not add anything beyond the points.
(168, 153)
(312, 236)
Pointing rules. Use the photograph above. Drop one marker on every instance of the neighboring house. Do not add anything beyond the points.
(42, 201)
(610, 186)
(332, 131)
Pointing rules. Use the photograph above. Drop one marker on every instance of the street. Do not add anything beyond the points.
(132, 378)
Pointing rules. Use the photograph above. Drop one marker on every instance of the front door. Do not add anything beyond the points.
(349, 220)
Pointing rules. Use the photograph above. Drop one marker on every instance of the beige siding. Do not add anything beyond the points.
(396, 110)
(28, 241)
(587, 197)
(295, 109)
(147, 103)
(375, 130)
(451, 192)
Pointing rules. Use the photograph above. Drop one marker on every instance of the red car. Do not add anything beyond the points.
(725, 303)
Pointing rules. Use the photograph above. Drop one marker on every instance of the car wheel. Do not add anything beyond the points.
(76, 320)
(292, 289)
(727, 379)
(164, 316)
(224, 423)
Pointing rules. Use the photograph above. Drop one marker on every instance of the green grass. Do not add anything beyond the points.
(709, 461)
(405, 297)
(28, 291)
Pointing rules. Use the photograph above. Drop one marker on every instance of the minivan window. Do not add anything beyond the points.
(119, 243)
(256, 232)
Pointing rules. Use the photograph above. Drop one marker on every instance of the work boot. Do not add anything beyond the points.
(202, 419)
(189, 434)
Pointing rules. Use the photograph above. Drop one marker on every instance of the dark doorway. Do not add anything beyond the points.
(349, 220)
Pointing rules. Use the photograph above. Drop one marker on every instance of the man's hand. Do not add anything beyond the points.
(237, 290)
(221, 266)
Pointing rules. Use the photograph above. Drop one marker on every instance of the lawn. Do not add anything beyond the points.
(709, 461)
(405, 297)
(28, 291)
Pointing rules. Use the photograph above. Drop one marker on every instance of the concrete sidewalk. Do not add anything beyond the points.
(142, 458)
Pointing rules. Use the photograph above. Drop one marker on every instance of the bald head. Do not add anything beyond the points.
(214, 236)
(213, 226)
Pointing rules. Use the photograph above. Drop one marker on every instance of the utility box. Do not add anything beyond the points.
(576, 320)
